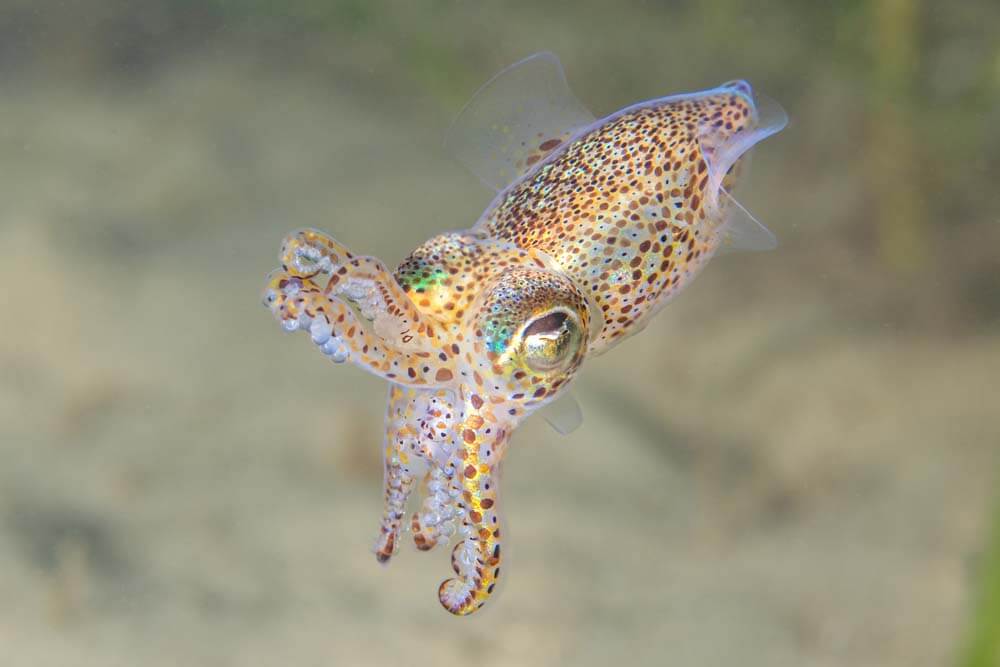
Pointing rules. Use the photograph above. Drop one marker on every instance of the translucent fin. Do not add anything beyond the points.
(725, 156)
(742, 230)
(563, 414)
(516, 118)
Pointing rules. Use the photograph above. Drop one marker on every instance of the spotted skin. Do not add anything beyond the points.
(476, 330)
(622, 209)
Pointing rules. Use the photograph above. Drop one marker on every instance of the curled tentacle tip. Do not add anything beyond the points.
(279, 285)
(384, 549)
(456, 597)
(269, 297)
(271, 293)
(422, 543)
(308, 260)
(306, 253)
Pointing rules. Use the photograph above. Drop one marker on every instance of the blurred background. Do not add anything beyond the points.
(815, 430)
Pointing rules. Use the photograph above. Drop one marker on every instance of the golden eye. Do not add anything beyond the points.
(550, 342)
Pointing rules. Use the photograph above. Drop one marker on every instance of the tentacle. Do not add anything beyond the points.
(366, 283)
(306, 253)
(436, 519)
(476, 558)
(420, 426)
(398, 485)
(401, 449)
(299, 303)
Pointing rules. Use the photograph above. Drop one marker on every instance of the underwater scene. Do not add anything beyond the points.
(536, 333)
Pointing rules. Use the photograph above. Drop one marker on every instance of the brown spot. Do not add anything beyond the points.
(487, 503)
(470, 470)
(443, 375)
(549, 145)
(475, 516)
(476, 401)
(469, 435)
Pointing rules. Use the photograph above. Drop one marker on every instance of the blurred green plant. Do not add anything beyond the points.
(983, 648)
(894, 152)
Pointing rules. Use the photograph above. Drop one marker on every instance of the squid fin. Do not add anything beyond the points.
(517, 118)
(563, 414)
(726, 156)
(743, 232)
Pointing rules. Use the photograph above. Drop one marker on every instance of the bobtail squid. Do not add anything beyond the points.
(595, 226)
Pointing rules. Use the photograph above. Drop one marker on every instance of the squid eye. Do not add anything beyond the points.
(550, 342)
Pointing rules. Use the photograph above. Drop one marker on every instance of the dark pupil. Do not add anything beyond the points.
(551, 323)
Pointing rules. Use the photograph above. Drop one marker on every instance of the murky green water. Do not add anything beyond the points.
(794, 464)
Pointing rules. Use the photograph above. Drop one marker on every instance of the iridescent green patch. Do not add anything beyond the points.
(497, 336)
(421, 281)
